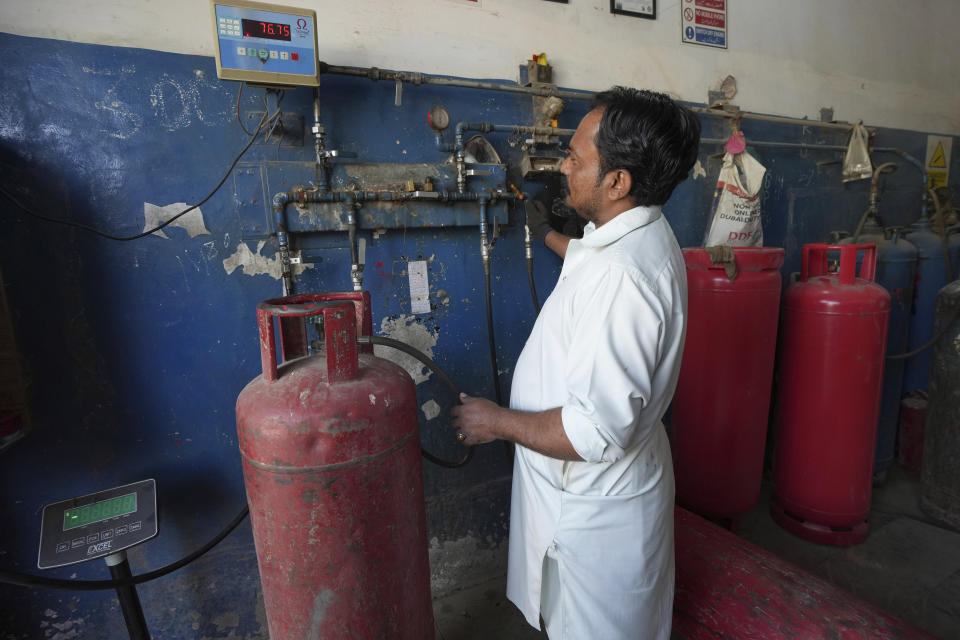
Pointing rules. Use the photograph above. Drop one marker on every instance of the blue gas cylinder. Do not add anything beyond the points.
(896, 272)
(931, 277)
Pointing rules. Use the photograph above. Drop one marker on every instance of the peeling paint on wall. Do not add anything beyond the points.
(11, 119)
(192, 222)
(255, 264)
(405, 328)
(430, 409)
(698, 170)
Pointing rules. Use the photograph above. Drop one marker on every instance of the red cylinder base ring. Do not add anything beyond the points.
(820, 533)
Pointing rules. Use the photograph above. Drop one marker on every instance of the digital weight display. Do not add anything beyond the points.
(260, 29)
(103, 510)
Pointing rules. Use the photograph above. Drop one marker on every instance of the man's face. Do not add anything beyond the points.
(581, 168)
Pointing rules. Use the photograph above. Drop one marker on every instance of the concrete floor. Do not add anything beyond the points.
(908, 566)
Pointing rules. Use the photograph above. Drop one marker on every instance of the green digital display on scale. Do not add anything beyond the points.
(103, 510)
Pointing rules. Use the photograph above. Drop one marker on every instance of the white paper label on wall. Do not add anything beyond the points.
(704, 22)
(938, 160)
(419, 287)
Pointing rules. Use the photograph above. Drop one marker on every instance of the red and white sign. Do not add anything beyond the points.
(704, 22)
(711, 18)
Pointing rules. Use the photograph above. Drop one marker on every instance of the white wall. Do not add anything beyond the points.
(886, 62)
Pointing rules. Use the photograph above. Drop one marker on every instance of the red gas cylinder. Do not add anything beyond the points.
(727, 588)
(331, 463)
(831, 365)
(720, 408)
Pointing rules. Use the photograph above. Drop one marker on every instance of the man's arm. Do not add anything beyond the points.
(557, 242)
(483, 421)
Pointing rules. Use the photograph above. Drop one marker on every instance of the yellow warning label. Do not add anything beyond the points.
(936, 179)
(938, 161)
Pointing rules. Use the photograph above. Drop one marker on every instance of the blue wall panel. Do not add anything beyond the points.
(134, 352)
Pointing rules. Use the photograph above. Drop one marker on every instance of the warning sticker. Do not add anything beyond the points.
(704, 22)
(938, 160)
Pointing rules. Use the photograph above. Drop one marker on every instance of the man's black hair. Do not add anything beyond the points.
(649, 135)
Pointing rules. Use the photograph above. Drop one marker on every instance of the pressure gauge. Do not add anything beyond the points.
(438, 118)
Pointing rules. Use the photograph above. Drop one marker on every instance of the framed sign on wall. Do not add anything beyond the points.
(638, 8)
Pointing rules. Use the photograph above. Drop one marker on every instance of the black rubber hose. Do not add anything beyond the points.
(444, 378)
(490, 337)
(933, 340)
(533, 286)
(27, 580)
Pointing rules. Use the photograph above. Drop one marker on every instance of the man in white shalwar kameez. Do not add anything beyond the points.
(591, 520)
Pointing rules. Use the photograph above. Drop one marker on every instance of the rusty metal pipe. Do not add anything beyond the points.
(417, 78)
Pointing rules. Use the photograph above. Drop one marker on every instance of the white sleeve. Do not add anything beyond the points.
(614, 352)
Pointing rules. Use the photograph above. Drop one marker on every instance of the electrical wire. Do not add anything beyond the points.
(69, 223)
(239, 121)
(443, 377)
(27, 580)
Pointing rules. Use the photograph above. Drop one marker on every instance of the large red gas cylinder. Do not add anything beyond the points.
(831, 366)
(331, 463)
(720, 409)
(727, 588)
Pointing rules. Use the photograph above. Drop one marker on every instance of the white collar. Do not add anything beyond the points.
(621, 224)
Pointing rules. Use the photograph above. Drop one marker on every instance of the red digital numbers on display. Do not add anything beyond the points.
(263, 29)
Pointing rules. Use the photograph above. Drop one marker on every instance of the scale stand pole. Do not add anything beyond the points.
(129, 600)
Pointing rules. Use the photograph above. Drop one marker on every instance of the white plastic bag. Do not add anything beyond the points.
(736, 203)
(856, 161)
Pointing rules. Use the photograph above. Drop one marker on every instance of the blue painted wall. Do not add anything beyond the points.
(134, 352)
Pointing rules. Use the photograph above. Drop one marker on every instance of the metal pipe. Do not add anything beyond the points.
(833, 147)
(875, 186)
(488, 127)
(354, 198)
(127, 596)
(461, 164)
(283, 242)
(304, 196)
(356, 265)
(417, 78)
(805, 146)
(319, 145)
(746, 115)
